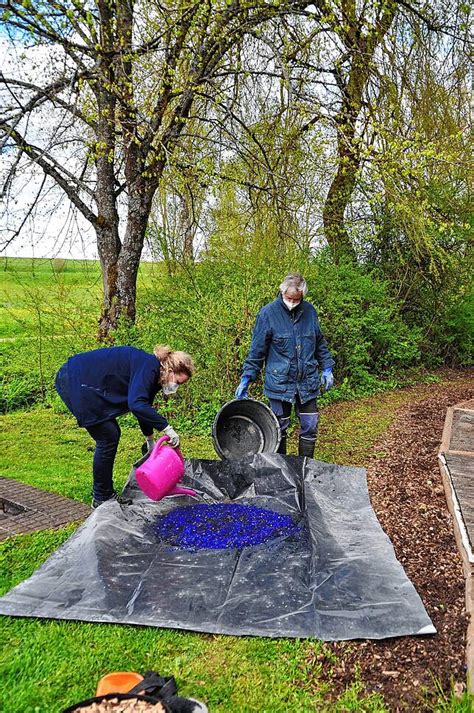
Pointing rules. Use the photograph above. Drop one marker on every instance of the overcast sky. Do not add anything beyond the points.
(54, 230)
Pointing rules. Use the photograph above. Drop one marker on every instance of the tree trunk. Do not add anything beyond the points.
(109, 249)
(185, 228)
(107, 231)
(340, 193)
(360, 50)
(107, 225)
(108, 242)
(342, 186)
(121, 302)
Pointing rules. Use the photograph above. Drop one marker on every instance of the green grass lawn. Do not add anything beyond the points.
(46, 665)
(62, 292)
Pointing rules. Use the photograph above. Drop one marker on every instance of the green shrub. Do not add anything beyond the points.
(362, 322)
(19, 392)
(210, 310)
(455, 331)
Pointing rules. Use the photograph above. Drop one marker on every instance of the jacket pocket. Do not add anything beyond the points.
(311, 376)
(282, 346)
(276, 378)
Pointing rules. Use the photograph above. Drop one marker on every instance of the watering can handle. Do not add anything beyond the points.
(162, 440)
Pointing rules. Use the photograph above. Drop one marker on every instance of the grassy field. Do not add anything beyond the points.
(48, 309)
(57, 290)
(46, 289)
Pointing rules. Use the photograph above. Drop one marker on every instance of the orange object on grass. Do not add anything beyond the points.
(118, 682)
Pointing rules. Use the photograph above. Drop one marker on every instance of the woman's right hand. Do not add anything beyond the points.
(173, 436)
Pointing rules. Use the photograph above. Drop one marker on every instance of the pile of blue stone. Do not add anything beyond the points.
(221, 526)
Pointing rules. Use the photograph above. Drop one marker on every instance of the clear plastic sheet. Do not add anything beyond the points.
(338, 579)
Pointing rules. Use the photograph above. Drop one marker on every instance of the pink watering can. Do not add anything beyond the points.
(159, 474)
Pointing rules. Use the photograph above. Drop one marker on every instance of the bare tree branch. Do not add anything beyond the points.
(28, 213)
(52, 168)
(48, 93)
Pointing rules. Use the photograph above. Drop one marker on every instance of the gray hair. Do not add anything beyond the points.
(296, 281)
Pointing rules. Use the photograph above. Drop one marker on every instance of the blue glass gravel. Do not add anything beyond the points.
(222, 526)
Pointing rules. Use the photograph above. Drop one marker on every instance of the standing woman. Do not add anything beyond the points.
(99, 385)
(287, 340)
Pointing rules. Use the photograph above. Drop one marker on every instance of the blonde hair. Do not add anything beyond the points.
(173, 362)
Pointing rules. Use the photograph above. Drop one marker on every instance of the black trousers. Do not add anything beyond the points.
(106, 436)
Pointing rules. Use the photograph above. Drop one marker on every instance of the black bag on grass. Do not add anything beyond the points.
(158, 689)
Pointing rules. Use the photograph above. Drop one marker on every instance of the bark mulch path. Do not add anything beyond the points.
(407, 494)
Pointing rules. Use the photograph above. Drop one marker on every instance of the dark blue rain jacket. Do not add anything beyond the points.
(292, 347)
(105, 383)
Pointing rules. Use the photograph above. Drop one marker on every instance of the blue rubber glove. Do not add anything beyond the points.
(327, 379)
(243, 387)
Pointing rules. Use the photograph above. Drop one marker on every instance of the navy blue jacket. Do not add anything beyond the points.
(292, 347)
(106, 383)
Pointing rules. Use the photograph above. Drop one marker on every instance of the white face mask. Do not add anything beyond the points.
(170, 388)
(290, 305)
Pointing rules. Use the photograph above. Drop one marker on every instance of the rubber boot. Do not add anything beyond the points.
(282, 447)
(306, 447)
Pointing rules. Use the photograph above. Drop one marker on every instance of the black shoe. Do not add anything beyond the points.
(119, 498)
(306, 447)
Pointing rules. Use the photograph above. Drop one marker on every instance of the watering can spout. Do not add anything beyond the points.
(182, 491)
(159, 475)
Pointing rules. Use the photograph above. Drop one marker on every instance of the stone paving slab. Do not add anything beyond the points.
(456, 459)
(461, 470)
(462, 431)
(24, 509)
